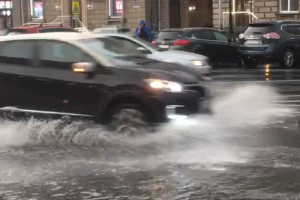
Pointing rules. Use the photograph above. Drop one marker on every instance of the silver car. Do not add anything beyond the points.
(154, 52)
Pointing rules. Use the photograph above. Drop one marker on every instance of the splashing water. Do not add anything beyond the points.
(197, 140)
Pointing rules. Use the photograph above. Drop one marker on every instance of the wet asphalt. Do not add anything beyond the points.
(206, 158)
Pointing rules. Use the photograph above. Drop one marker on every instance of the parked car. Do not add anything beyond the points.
(39, 28)
(229, 35)
(82, 75)
(270, 42)
(111, 29)
(154, 36)
(212, 43)
(198, 62)
(3, 32)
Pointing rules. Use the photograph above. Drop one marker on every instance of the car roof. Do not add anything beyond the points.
(188, 29)
(40, 26)
(62, 36)
(279, 22)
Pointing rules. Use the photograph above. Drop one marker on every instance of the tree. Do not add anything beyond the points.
(230, 17)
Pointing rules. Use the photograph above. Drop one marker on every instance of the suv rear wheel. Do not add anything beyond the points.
(288, 58)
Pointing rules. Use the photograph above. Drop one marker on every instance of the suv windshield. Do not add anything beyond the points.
(169, 35)
(110, 48)
(258, 29)
(149, 45)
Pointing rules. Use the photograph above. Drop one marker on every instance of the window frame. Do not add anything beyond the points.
(133, 42)
(284, 25)
(288, 11)
(226, 41)
(40, 61)
(111, 10)
(27, 62)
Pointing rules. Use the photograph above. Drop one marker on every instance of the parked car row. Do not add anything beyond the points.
(96, 76)
(262, 42)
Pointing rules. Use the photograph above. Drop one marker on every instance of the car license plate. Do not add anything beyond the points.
(252, 42)
(164, 46)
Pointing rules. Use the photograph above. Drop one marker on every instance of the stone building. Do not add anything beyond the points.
(158, 14)
(245, 11)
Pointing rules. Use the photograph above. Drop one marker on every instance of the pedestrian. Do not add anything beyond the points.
(143, 31)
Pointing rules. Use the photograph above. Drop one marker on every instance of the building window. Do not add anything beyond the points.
(36, 9)
(289, 6)
(115, 8)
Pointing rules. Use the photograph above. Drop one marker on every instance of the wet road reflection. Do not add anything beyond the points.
(248, 150)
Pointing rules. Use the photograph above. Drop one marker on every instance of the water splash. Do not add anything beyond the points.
(201, 139)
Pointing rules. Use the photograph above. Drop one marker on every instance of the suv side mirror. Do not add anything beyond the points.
(143, 50)
(85, 68)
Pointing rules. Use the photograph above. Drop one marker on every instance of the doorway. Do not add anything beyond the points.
(174, 10)
(243, 19)
(5, 14)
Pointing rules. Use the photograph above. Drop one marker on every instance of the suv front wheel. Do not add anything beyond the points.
(128, 118)
(288, 59)
(250, 62)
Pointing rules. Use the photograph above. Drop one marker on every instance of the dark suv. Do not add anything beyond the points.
(267, 42)
(74, 74)
(217, 46)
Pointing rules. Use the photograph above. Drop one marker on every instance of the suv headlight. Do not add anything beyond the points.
(168, 86)
(199, 62)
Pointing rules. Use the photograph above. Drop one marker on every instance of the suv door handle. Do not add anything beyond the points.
(42, 79)
(292, 38)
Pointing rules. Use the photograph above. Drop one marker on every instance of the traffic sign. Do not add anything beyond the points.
(75, 8)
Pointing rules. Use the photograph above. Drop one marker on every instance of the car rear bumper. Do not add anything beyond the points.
(262, 53)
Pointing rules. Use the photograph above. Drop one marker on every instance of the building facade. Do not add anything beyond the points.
(247, 11)
(158, 14)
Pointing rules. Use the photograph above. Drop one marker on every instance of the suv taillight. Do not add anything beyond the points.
(272, 35)
(180, 42)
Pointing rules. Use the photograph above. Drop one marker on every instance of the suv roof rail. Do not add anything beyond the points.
(31, 24)
(51, 24)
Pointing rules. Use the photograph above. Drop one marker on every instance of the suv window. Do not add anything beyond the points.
(17, 31)
(169, 35)
(193, 35)
(291, 29)
(48, 30)
(258, 29)
(128, 43)
(206, 35)
(123, 30)
(63, 54)
(16, 52)
(221, 37)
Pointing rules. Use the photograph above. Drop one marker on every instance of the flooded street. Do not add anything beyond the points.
(249, 149)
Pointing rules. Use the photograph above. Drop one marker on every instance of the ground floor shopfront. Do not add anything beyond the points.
(159, 14)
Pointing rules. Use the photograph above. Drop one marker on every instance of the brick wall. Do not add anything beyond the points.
(134, 15)
(50, 12)
(266, 10)
(225, 8)
(98, 16)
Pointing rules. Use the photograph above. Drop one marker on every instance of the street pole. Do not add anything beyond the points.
(220, 14)
(230, 17)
